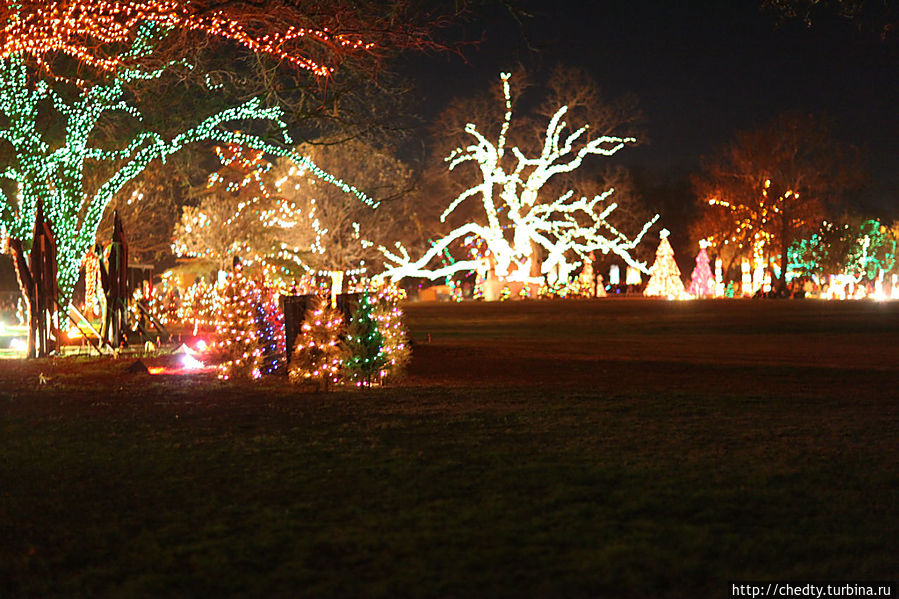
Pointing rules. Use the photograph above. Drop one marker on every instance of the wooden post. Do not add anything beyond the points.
(38, 282)
(114, 276)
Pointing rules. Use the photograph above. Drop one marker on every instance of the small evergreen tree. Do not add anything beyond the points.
(317, 353)
(363, 355)
(270, 334)
(237, 329)
(389, 318)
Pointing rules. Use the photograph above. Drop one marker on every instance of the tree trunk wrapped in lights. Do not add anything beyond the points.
(317, 354)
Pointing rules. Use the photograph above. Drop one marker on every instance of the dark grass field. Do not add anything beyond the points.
(615, 448)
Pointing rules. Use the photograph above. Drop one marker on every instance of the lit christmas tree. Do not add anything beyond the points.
(665, 278)
(250, 330)
(590, 282)
(363, 355)
(389, 318)
(270, 332)
(316, 353)
(702, 281)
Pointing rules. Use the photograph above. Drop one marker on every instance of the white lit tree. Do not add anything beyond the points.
(519, 225)
(665, 280)
(317, 353)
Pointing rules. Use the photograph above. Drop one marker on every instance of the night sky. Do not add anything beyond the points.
(702, 71)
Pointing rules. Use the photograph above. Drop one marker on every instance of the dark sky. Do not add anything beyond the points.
(702, 71)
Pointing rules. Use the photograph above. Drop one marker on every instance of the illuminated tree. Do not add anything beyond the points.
(317, 355)
(518, 222)
(389, 318)
(291, 218)
(772, 184)
(250, 328)
(362, 347)
(327, 228)
(236, 328)
(702, 281)
(861, 248)
(665, 280)
(236, 214)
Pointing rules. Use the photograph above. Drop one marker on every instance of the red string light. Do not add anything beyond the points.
(79, 29)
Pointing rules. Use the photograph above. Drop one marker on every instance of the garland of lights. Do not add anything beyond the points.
(566, 228)
(79, 29)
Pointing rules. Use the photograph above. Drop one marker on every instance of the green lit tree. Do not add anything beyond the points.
(389, 318)
(363, 355)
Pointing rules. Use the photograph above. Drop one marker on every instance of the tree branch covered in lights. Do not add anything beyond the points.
(311, 37)
(520, 226)
(290, 218)
(52, 165)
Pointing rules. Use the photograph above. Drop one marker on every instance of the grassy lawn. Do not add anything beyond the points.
(621, 448)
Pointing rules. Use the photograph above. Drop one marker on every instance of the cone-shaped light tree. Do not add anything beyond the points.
(702, 281)
(665, 280)
(389, 318)
(363, 355)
